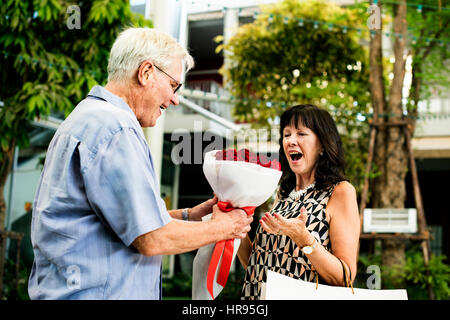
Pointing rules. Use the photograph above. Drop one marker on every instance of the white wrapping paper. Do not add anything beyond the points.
(242, 184)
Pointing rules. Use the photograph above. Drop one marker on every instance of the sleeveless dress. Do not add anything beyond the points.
(279, 253)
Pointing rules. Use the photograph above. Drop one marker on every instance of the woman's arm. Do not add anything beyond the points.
(344, 234)
(245, 249)
(344, 231)
(344, 225)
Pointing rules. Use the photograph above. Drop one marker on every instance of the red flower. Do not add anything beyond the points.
(247, 156)
(230, 155)
(242, 155)
(253, 158)
(219, 155)
(275, 165)
(264, 161)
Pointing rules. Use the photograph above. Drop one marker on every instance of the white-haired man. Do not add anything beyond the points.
(99, 224)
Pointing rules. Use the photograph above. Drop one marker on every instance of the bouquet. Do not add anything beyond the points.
(240, 179)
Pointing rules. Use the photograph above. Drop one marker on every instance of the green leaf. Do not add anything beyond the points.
(32, 102)
(4, 144)
(14, 21)
(7, 39)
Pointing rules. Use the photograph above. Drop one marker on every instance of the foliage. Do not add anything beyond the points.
(47, 67)
(10, 281)
(279, 63)
(413, 274)
(233, 289)
(368, 259)
(435, 79)
(416, 278)
(429, 28)
(365, 260)
(180, 285)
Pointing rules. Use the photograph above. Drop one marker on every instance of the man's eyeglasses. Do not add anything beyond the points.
(178, 84)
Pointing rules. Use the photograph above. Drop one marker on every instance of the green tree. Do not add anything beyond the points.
(335, 71)
(417, 34)
(429, 28)
(49, 65)
(303, 52)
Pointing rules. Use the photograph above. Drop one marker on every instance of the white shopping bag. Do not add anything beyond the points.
(280, 287)
(242, 184)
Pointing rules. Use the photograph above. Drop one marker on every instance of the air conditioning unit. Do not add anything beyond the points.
(390, 220)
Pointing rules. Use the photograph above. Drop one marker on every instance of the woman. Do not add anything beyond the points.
(312, 231)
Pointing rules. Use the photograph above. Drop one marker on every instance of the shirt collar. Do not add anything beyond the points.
(101, 93)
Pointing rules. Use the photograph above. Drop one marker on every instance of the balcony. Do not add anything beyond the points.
(432, 134)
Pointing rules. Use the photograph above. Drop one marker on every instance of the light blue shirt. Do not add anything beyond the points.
(98, 192)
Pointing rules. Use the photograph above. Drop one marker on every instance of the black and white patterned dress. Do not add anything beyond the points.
(279, 253)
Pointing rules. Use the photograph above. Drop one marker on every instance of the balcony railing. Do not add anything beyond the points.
(216, 102)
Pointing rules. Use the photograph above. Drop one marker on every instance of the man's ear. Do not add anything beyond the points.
(144, 72)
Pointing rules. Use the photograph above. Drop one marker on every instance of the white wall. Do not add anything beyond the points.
(26, 179)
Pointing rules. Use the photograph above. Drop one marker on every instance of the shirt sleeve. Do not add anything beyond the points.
(122, 188)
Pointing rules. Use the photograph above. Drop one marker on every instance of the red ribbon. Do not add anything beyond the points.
(225, 249)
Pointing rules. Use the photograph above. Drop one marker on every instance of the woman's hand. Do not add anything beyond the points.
(196, 213)
(295, 228)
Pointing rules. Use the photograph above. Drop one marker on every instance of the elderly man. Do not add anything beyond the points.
(99, 224)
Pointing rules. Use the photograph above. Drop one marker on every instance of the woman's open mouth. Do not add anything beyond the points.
(295, 156)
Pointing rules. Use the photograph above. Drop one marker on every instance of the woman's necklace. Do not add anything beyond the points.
(295, 195)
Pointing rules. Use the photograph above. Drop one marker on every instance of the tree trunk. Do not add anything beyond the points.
(379, 106)
(390, 151)
(396, 162)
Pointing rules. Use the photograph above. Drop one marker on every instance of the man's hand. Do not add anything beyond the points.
(196, 213)
(179, 237)
(233, 224)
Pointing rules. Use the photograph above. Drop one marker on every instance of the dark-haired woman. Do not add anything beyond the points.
(312, 231)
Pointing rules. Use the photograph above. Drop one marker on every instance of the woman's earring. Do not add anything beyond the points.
(321, 153)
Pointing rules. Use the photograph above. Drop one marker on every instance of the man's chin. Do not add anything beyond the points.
(151, 122)
(147, 124)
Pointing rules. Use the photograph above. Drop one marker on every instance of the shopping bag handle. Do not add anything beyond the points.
(347, 278)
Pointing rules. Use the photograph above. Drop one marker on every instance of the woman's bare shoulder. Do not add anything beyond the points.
(343, 198)
(344, 189)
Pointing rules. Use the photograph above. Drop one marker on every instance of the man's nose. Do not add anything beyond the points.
(175, 100)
